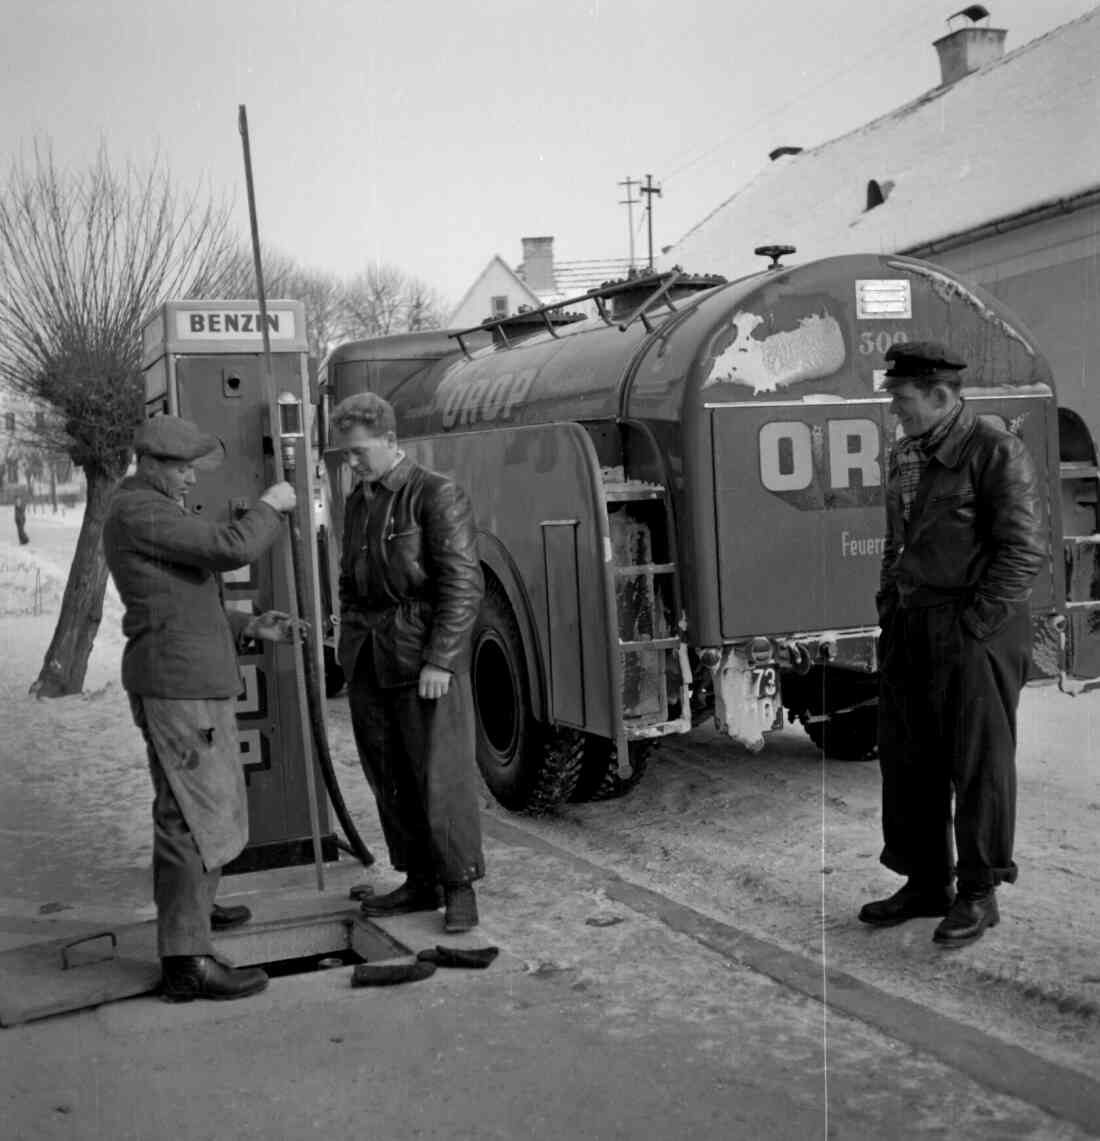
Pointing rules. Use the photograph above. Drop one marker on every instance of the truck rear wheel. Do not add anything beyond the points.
(600, 779)
(846, 736)
(528, 766)
(334, 674)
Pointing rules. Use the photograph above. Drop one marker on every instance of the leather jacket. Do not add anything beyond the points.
(975, 530)
(410, 578)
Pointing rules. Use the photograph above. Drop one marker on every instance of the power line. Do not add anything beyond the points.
(649, 190)
(629, 202)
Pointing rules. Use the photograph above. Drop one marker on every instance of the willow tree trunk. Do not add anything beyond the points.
(66, 660)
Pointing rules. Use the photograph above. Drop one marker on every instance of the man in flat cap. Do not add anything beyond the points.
(963, 543)
(180, 670)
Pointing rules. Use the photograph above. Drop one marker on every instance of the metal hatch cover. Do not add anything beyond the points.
(42, 979)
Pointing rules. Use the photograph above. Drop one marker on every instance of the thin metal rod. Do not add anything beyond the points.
(298, 647)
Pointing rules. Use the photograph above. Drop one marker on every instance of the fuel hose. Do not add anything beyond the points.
(355, 845)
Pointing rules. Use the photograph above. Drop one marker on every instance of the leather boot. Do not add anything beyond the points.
(974, 910)
(187, 977)
(913, 900)
(412, 895)
(226, 918)
(461, 912)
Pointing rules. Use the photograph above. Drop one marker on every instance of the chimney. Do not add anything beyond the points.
(538, 264)
(969, 46)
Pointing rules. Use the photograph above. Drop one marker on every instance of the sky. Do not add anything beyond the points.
(435, 134)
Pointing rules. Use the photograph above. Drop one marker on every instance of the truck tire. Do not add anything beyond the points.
(600, 779)
(850, 736)
(334, 675)
(847, 736)
(528, 766)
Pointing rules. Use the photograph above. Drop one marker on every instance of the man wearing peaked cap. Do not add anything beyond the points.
(921, 358)
(180, 670)
(172, 438)
(964, 542)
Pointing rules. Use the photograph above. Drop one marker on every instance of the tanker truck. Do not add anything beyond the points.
(679, 500)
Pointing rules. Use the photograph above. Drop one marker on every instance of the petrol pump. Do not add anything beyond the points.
(203, 360)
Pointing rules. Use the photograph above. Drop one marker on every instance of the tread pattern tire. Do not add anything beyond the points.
(334, 674)
(600, 779)
(528, 766)
(846, 736)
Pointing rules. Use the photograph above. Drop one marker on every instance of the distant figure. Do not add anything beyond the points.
(21, 520)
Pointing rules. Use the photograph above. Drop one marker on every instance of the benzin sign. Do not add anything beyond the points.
(233, 324)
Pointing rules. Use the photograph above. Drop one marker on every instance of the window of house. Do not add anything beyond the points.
(9, 421)
(500, 307)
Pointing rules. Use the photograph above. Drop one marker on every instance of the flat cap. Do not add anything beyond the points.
(913, 360)
(173, 438)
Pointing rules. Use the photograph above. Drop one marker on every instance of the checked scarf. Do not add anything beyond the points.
(911, 456)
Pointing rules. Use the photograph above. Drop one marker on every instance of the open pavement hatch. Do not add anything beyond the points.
(108, 964)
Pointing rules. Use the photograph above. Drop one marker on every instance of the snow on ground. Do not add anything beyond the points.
(67, 828)
(747, 839)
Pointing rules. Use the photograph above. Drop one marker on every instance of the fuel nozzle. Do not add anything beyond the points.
(290, 427)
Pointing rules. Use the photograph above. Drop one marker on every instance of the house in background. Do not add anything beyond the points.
(29, 466)
(500, 291)
(994, 174)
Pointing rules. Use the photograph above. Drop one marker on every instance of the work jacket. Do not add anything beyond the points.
(410, 579)
(974, 532)
(166, 562)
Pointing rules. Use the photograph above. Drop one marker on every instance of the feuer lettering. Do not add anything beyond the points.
(856, 546)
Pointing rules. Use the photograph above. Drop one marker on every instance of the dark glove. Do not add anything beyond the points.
(476, 958)
(390, 974)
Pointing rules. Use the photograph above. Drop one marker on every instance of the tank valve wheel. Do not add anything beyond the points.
(775, 253)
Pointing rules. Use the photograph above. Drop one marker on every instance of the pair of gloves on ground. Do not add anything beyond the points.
(423, 966)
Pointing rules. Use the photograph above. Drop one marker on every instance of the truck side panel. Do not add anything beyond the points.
(538, 491)
(816, 473)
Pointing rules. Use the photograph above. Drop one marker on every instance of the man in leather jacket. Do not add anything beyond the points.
(410, 591)
(964, 542)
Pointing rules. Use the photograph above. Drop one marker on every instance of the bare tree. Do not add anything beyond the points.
(320, 291)
(384, 299)
(84, 257)
(323, 296)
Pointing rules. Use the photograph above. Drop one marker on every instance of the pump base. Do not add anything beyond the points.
(281, 854)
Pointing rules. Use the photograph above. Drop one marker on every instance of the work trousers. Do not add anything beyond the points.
(947, 725)
(183, 889)
(418, 757)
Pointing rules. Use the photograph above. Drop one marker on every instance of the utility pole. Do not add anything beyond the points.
(649, 190)
(629, 202)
